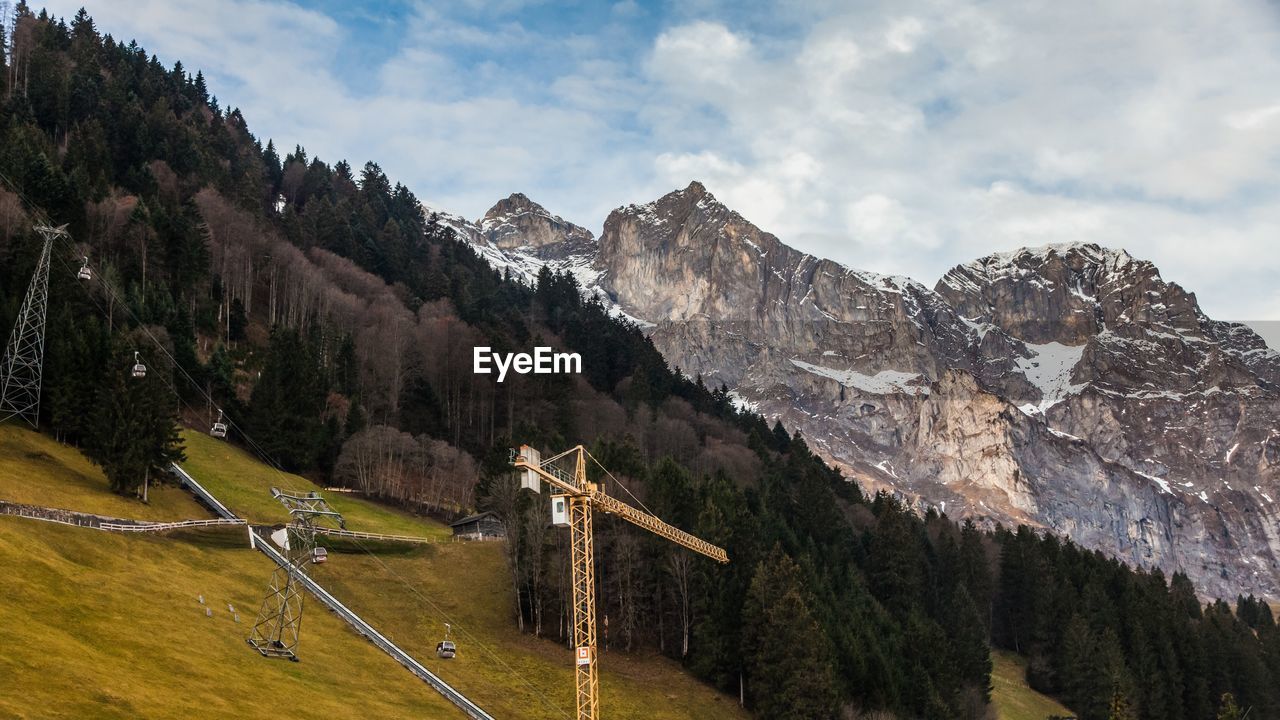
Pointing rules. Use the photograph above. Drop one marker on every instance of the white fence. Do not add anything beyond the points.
(166, 526)
(334, 532)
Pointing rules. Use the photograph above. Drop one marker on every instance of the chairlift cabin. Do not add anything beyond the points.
(319, 556)
(85, 273)
(219, 429)
(139, 370)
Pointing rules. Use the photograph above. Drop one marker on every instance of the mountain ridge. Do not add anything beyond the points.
(1064, 345)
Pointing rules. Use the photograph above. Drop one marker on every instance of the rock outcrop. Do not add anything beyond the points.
(1068, 387)
(517, 223)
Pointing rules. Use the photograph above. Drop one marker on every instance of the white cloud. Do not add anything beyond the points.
(1251, 119)
(703, 61)
(903, 34)
(902, 137)
(982, 129)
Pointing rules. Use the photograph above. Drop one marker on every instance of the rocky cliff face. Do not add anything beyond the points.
(1068, 387)
(519, 223)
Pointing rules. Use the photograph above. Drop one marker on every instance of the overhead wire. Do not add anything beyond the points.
(268, 460)
(261, 452)
(618, 482)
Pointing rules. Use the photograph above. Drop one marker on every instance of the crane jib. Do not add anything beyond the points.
(612, 505)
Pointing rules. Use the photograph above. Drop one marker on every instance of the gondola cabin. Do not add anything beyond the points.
(139, 370)
(219, 429)
(446, 650)
(85, 273)
(319, 556)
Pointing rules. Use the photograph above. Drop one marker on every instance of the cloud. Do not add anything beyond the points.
(901, 137)
(903, 34)
(882, 222)
(951, 132)
(703, 61)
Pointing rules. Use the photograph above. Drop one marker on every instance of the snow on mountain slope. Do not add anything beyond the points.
(1069, 387)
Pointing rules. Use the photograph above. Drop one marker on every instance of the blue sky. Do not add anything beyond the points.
(896, 136)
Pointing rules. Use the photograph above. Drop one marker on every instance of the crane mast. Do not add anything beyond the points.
(582, 497)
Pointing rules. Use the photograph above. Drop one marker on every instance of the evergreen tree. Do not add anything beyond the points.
(237, 322)
(1076, 658)
(971, 653)
(789, 659)
(346, 368)
(286, 403)
(420, 411)
(134, 433)
(781, 439)
(356, 420)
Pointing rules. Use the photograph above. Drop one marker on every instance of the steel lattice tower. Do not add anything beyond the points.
(24, 355)
(275, 632)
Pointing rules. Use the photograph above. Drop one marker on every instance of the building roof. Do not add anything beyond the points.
(474, 518)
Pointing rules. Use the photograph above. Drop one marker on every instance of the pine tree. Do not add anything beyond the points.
(1076, 658)
(237, 322)
(134, 435)
(355, 421)
(971, 653)
(788, 657)
(781, 439)
(346, 368)
(287, 400)
(420, 410)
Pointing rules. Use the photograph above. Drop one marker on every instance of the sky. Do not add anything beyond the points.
(891, 135)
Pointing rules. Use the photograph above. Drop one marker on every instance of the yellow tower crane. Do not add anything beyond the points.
(573, 507)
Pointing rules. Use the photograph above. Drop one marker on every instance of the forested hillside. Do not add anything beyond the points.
(333, 323)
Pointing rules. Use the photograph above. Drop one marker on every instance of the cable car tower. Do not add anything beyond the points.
(573, 507)
(275, 632)
(23, 363)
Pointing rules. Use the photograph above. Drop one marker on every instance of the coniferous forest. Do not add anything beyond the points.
(331, 319)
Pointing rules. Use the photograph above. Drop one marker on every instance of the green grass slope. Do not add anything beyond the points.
(1012, 698)
(243, 484)
(36, 470)
(410, 597)
(100, 625)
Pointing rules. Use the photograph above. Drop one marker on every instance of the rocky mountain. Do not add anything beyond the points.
(1069, 387)
(519, 223)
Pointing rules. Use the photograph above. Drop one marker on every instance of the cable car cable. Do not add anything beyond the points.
(266, 459)
(274, 466)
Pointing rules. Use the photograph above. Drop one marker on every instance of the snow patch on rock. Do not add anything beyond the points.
(882, 383)
(1049, 369)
